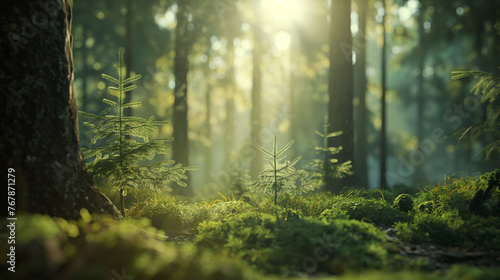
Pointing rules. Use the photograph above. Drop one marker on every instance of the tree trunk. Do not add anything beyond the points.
(361, 168)
(294, 112)
(39, 116)
(340, 86)
(128, 52)
(383, 132)
(230, 94)
(127, 112)
(256, 125)
(419, 177)
(208, 134)
(181, 69)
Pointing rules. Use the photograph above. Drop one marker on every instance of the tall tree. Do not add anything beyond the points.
(383, 130)
(256, 125)
(419, 169)
(230, 94)
(340, 85)
(360, 168)
(208, 132)
(128, 51)
(181, 69)
(39, 116)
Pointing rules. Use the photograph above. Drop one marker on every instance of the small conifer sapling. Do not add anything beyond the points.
(281, 177)
(323, 171)
(488, 89)
(125, 152)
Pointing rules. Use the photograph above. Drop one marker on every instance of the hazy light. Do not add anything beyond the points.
(245, 27)
(354, 23)
(171, 84)
(97, 66)
(397, 50)
(101, 85)
(167, 20)
(100, 15)
(460, 11)
(404, 14)
(282, 40)
(413, 6)
(282, 10)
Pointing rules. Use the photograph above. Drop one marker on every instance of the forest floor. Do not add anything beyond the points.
(428, 233)
(441, 258)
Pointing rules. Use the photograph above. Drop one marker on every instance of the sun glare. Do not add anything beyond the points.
(282, 11)
(282, 40)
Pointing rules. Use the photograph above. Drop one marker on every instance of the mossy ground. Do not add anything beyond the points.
(359, 234)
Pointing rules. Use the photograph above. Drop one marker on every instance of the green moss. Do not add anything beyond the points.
(450, 229)
(105, 247)
(377, 211)
(426, 207)
(298, 245)
(404, 202)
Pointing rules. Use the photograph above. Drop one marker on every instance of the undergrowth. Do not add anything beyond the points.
(299, 245)
(315, 235)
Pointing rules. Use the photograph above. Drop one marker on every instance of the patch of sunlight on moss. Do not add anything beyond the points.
(70, 229)
(35, 226)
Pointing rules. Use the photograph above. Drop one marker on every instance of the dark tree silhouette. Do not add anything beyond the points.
(360, 168)
(181, 69)
(39, 115)
(340, 86)
(383, 129)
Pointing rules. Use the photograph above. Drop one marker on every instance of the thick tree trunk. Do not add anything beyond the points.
(181, 69)
(340, 86)
(361, 168)
(39, 115)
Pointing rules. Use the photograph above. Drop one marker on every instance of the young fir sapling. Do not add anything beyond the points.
(281, 177)
(121, 156)
(322, 172)
(488, 88)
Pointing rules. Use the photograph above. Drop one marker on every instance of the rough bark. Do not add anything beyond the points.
(181, 69)
(39, 114)
(340, 85)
